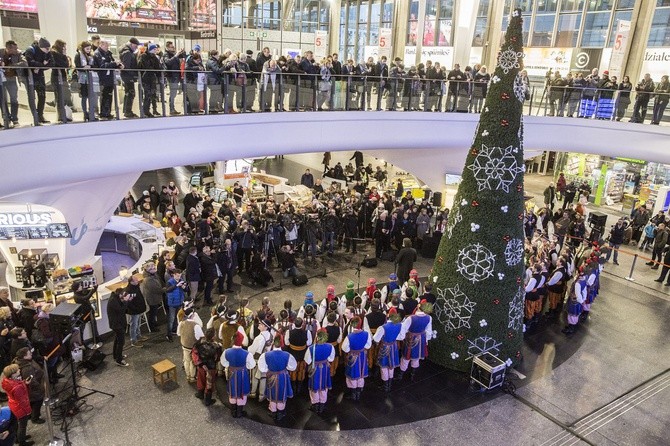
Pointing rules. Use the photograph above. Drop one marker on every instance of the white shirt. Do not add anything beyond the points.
(239, 330)
(259, 342)
(346, 347)
(308, 355)
(555, 278)
(197, 329)
(263, 366)
(408, 322)
(251, 362)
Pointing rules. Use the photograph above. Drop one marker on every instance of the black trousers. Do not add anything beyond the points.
(106, 101)
(21, 433)
(119, 341)
(149, 92)
(36, 407)
(128, 97)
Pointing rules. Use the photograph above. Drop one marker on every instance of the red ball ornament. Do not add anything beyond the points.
(496, 301)
(519, 187)
(460, 337)
(520, 216)
(474, 151)
(510, 334)
(504, 96)
(518, 354)
(440, 259)
(518, 280)
(507, 238)
(475, 203)
(504, 122)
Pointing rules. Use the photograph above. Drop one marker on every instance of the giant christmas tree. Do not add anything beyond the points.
(478, 271)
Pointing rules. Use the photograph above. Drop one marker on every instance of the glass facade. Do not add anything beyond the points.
(360, 21)
(572, 23)
(659, 35)
(296, 15)
(480, 36)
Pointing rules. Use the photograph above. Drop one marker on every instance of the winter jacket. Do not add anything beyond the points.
(193, 269)
(148, 61)
(137, 305)
(129, 61)
(152, 289)
(17, 392)
(36, 386)
(59, 61)
(116, 312)
(105, 59)
(36, 58)
(172, 63)
(175, 294)
(208, 268)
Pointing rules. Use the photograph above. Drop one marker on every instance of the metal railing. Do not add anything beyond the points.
(103, 94)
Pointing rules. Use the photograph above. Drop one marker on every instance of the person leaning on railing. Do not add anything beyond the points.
(172, 64)
(661, 96)
(10, 61)
(624, 97)
(642, 90)
(150, 66)
(195, 81)
(214, 77)
(270, 86)
(39, 58)
(59, 80)
(83, 61)
(104, 60)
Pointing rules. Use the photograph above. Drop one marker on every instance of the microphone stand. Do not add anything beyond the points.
(358, 273)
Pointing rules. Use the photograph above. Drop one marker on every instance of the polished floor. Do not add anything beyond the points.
(606, 385)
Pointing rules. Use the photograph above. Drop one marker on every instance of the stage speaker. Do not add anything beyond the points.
(64, 317)
(597, 219)
(488, 371)
(369, 262)
(437, 199)
(300, 279)
(429, 247)
(93, 359)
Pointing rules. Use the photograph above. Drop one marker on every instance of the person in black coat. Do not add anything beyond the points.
(129, 75)
(27, 315)
(39, 57)
(382, 234)
(116, 316)
(149, 61)
(82, 297)
(225, 259)
(405, 260)
(137, 305)
(59, 80)
(191, 200)
(103, 58)
(208, 272)
(616, 239)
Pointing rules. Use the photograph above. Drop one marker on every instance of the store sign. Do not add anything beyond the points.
(584, 60)
(656, 62)
(631, 160)
(91, 29)
(204, 35)
(385, 42)
(19, 5)
(320, 43)
(31, 225)
(617, 59)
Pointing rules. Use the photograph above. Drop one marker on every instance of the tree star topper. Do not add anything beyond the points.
(495, 168)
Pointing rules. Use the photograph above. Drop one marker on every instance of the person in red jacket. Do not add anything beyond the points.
(19, 402)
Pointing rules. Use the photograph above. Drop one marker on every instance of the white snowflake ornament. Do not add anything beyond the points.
(515, 313)
(508, 362)
(495, 168)
(475, 262)
(455, 218)
(454, 355)
(515, 13)
(483, 344)
(509, 59)
(501, 276)
(485, 133)
(519, 88)
(474, 227)
(483, 323)
(504, 208)
(514, 252)
(495, 79)
(434, 334)
(453, 308)
(464, 202)
(486, 109)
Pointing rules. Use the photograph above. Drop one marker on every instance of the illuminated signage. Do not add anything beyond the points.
(31, 225)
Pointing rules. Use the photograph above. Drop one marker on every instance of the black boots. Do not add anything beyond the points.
(200, 394)
(412, 373)
(240, 412)
(318, 407)
(387, 386)
(569, 329)
(208, 399)
(280, 415)
(398, 376)
(233, 410)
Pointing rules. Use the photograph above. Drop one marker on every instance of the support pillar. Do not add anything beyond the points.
(63, 19)
(466, 17)
(219, 171)
(334, 30)
(493, 34)
(640, 25)
(400, 14)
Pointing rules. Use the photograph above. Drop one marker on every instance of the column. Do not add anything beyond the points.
(400, 15)
(63, 19)
(334, 30)
(219, 171)
(420, 26)
(466, 17)
(494, 34)
(640, 25)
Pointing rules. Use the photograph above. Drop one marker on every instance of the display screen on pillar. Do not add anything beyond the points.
(146, 11)
(19, 5)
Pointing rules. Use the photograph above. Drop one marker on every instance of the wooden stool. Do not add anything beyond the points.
(165, 370)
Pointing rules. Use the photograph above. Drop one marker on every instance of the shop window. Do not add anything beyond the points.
(662, 2)
(232, 13)
(599, 5)
(483, 9)
(628, 4)
(572, 5)
(596, 26)
(413, 23)
(546, 5)
(479, 36)
(542, 30)
(568, 30)
(619, 15)
(660, 28)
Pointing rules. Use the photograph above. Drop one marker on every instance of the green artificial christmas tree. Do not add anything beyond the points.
(478, 270)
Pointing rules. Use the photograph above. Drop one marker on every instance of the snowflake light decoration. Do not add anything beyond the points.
(519, 88)
(483, 323)
(509, 59)
(483, 344)
(495, 168)
(515, 314)
(454, 355)
(514, 252)
(475, 262)
(455, 311)
(455, 218)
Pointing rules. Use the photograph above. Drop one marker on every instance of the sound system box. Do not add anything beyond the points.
(488, 371)
(300, 279)
(429, 247)
(64, 318)
(369, 262)
(93, 359)
(597, 219)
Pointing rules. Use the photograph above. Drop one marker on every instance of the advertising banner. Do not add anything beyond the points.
(320, 44)
(538, 61)
(584, 60)
(656, 62)
(385, 43)
(138, 11)
(619, 51)
(19, 5)
(203, 14)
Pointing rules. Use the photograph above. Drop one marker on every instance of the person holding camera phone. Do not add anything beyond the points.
(116, 315)
(16, 389)
(82, 296)
(33, 375)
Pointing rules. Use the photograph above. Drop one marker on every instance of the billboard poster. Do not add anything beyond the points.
(442, 54)
(656, 62)
(538, 61)
(203, 14)
(584, 60)
(139, 11)
(19, 5)
(619, 52)
(385, 43)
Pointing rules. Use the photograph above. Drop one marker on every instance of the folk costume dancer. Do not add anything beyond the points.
(262, 343)
(556, 286)
(419, 330)
(575, 301)
(372, 321)
(334, 332)
(387, 290)
(319, 357)
(388, 354)
(297, 340)
(238, 362)
(206, 354)
(356, 345)
(277, 364)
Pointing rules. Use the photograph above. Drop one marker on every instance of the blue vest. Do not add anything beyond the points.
(277, 360)
(391, 331)
(358, 340)
(236, 357)
(238, 380)
(419, 323)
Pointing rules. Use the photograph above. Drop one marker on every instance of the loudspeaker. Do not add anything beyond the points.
(369, 262)
(300, 279)
(64, 317)
(488, 371)
(437, 199)
(597, 219)
(429, 247)
(93, 359)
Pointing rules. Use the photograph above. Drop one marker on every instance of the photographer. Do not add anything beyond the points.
(287, 261)
(643, 91)
(116, 317)
(172, 64)
(331, 226)
(245, 244)
(82, 297)
(350, 227)
(312, 229)
(175, 290)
